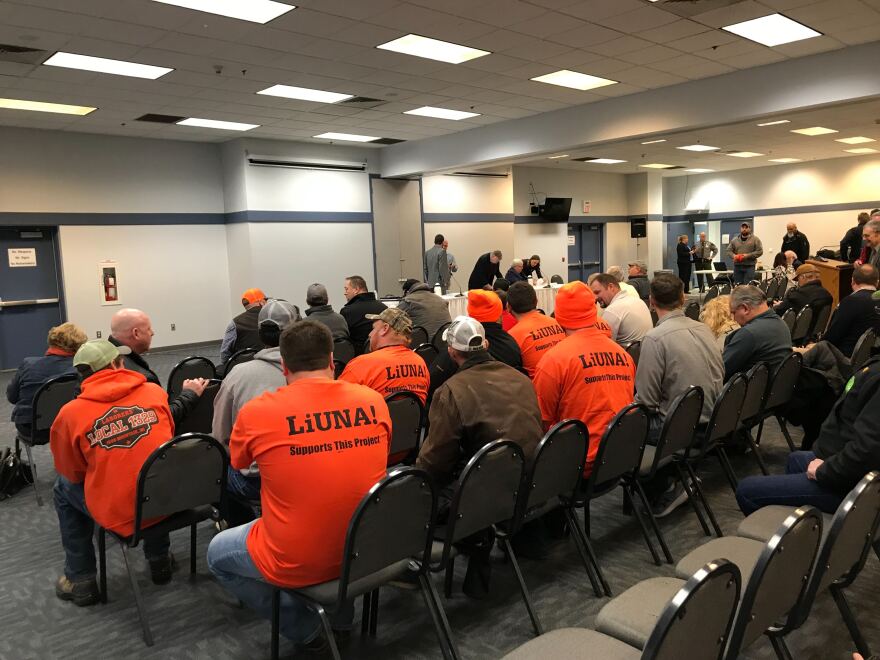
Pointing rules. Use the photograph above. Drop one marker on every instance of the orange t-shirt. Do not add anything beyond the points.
(536, 334)
(320, 445)
(389, 370)
(586, 376)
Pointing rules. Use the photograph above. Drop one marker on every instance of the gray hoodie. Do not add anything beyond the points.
(245, 382)
(425, 308)
(750, 247)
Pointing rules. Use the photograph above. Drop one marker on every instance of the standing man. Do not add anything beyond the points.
(629, 319)
(851, 243)
(450, 259)
(796, 241)
(485, 271)
(360, 303)
(704, 252)
(437, 264)
(242, 332)
(744, 249)
(762, 336)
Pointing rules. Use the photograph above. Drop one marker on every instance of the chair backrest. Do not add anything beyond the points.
(635, 351)
(427, 352)
(338, 368)
(781, 387)
(343, 350)
(692, 311)
(393, 522)
(244, 355)
(558, 464)
(654, 318)
(772, 289)
(191, 367)
(48, 400)
(183, 473)
(407, 421)
(862, 350)
(620, 449)
(696, 623)
(783, 287)
(556, 279)
(820, 320)
(711, 292)
(779, 578)
(788, 317)
(487, 491)
(764, 285)
(756, 391)
(437, 340)
(680, 425)
(201, 418)
(725, 412)
(802, 324)
(725, 289)
(418, 337)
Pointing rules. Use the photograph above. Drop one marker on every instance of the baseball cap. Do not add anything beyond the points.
(98, 353)
(638, 263)
(253, 295)
(805, 268)
(278, 312)
(484, 306)
(465, 334)
(397, 319)
(316, 292)
(575, 306)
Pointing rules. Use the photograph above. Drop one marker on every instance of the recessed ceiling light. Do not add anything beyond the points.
(862, 150)
(743, 154)
(40, 106)
(574, 80)
(699, 170)
(214, 123)
(772, 30)
(698, 147)
(604, 161)
(654, 141)
(786, 160)
(104, 65)
(433, 49)
(347, 137)
(657, 166)
(774, 123)
(256, 11)
(304, 94)
(559, 156)
(442, 113)
(814, 130)
(856, 140)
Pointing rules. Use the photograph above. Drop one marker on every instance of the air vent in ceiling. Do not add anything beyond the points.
(22, 54)
(488, 175)
(387, 141)
(160, 119)
(364, 102)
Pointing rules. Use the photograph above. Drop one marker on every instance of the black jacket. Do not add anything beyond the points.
(502, 347)
(799, 244)
(33, 372)
(640, 283)
(855, 314)
(763, 339)
(528, 270)
(354, 312)
(484, 273)
(683, 254)
(851, 244)
(247, 332)
(811, 293)
(849, 441)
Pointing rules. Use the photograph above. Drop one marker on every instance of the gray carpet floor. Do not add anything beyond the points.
(197, 619)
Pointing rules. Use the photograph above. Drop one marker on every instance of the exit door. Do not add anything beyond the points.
(29, 293)
(584, 251)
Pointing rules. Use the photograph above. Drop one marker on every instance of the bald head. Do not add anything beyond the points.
(132, 328)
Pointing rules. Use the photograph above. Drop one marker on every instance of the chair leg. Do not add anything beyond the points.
(850, 620)
(572, 523)
(328, 632)
(365, 614)
(699, 491)
(645, 533)
(784, 427)
(441, 623)
(192, 550)
(30, 457)
(138, 601)
(779, 646)
(585, 542)
(102, 563)
(760, 430)
(691, 498)
(276, 622)
(374, 612)
(536, 624)
(447, 579)
(756, 452)
(637, 486)
(876, 546)
(727, 467)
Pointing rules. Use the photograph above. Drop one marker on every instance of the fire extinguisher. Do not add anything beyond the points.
(109, 287)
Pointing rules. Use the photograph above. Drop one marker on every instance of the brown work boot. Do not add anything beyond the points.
(82, 593)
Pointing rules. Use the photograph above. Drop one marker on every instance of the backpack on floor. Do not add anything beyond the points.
(14, 475)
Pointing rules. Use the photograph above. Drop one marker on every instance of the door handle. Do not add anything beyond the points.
(20, 303)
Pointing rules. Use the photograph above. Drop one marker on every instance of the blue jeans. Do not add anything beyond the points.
(743, 274)
(77, 528)
(231, 564)
(792, 488)
(245, 487)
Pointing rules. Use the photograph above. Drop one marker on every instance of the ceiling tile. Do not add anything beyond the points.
(702, 41)
(637, 20)
(650, 54)
(312, 23)
(548, 24)
(730, 14)
(586, 36)
(501, 13)
(626, 44)
(593, 10)
(672, 31)
(537, 49)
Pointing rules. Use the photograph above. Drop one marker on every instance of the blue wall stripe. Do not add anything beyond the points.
(300, 216)
(468, 217)
(12, 218)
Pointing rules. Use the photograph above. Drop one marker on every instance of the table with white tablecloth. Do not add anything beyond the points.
(546, 301)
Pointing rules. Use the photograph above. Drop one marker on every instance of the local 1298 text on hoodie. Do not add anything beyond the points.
(104, 436)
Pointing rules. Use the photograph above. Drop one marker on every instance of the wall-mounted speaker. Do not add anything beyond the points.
(638, 228)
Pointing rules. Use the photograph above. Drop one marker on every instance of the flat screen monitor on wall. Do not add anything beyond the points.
(555, 209)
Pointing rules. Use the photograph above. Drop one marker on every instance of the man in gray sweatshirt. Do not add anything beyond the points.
(744, 249)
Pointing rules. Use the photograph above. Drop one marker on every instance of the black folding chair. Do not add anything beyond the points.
(772, 288)
(725, 289)
(654, 318)
(634, 350)
(389, 536)
(437, 340)
(803, 322)
(201, 418)
(820, 322)
(779, 393)
(783, 287)
(187, 368)
(788, 317)
(418, 337)
(408, 421)
(757, 380)
(244, 355)
(427, 352)
(862, 351)
(184, 480)
(343, 351)
(692, 311)
(711, 292)
(556, 279)
(48, 400)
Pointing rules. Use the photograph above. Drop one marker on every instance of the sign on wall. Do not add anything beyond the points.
(587, 206)
(571, 239)
(22, 257)
(108, 280)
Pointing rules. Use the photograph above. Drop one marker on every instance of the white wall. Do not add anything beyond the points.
(463, 194)
(397, 232)
(823, 230)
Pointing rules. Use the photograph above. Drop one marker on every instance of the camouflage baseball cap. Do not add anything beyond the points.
(397, 319)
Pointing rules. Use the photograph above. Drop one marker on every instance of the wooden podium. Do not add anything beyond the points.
(836, 276)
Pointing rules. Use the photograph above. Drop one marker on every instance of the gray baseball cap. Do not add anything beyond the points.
(278, 312)
(638, 263)
(465, 334)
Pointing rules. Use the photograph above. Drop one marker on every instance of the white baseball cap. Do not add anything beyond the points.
(465, 334)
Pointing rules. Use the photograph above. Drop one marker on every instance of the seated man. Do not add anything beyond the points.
(626, 287)
(241, 332)
(535, 333)
(390, 366)
(248, 380)
(809, 291)
(856, 313)
(319, 309)
(100, 441)
(848, 447)
(132, 328)
(629, 319)
(320, 445)
(515, 272)
(586, 376)
(638, 279)
(424, 307)
(360, 303)
(762, 336)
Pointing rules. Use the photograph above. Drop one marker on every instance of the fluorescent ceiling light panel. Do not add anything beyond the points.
(698, 147)
(442, 113)
(654, 141)
(574, 80)
(214, 123)
(40, 106)
(559, 156)
(861, 150)
(775, 123)
(347, 137)
(256, 11)
(744, 154)
(657, 166)
(699, 170)
(604, 161)
(104, 65)
(856, 140)
(433, 49)
(304, 94)
(786, 160)
(772, 30)
(814, 130)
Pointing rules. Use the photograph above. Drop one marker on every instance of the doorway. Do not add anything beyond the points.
(397, 233)
(585, 242)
